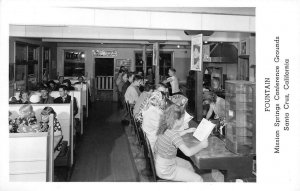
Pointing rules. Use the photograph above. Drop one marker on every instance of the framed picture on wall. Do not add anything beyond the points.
(196, 53)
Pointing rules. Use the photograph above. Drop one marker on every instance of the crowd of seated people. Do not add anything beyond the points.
(160, 116)
(45, 88)
(27, 121)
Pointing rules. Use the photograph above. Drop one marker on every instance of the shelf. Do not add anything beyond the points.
(244, 56)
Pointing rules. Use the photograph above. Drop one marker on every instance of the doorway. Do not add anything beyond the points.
(104, 74)
(104, 67)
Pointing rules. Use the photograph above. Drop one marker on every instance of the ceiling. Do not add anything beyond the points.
(247, 11)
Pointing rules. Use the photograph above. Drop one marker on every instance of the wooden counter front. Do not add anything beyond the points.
(216, 156)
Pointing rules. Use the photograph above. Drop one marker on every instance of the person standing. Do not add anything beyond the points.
(119, 84)
(173, 80)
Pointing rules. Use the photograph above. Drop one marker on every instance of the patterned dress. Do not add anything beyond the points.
(24, 125)
(56, 128)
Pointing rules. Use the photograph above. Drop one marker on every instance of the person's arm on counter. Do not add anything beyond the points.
(190, 151)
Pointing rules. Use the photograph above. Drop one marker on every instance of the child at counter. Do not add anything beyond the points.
(167, 165)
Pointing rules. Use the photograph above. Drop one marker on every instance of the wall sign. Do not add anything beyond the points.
(108, 53)
(196, 53)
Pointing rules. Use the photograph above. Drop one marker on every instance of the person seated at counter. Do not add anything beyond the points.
(168, 166)
(173, 80)
(45, 97)
(144, 95)
(130, 77)
(163, 89)
(151, 115)
(153, 100)
(215, 84)
(132, 92)
(216, 106)
(140, 73)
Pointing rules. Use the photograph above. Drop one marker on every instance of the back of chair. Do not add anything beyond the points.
(133, 122)
(151, 157)
(138, 131)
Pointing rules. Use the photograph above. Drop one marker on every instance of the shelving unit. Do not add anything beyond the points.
(246, 60)
(240, 116)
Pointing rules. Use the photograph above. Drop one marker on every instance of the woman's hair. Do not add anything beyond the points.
(211, 97)
(51, 82)
(148, 87)
(160, 85)
(130, 74)
(125, 73)
(23, 92)
(172, 69)
(27, 108)
(170, 115)
(137, 78)
(121, 69)
(48, 111)
(68, 82)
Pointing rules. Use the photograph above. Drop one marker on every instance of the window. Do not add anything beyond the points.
(165, 62)
(74, 64)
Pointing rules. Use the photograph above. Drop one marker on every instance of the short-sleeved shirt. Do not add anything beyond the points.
(140, 101)
(174, 84)
(131, 95)
(167, 144)
(150, 124)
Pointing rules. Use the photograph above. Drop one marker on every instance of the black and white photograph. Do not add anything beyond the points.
(131, 95)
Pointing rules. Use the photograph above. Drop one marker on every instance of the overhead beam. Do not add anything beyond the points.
(19, 15)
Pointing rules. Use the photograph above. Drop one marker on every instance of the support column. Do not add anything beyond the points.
(156, 61)
(144, 60)
(199, 94)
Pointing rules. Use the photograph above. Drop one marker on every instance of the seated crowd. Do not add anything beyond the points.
(161, 118)
(43, 97)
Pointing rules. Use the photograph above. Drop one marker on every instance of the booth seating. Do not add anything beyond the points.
(85, 96)
(17, 93)
(85, 90)
(31, 155)
(78, 96)
(64, 115)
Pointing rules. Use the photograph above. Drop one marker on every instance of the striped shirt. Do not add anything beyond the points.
(167, 144)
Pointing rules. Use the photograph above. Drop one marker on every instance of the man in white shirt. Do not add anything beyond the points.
(131, 94)
(173, 81)
(144, 95)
